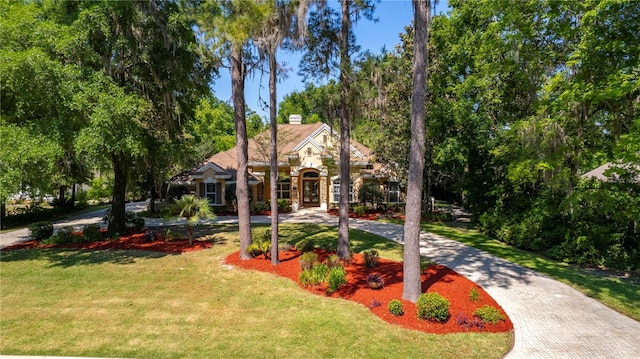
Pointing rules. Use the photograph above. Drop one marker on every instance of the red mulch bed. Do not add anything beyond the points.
(436, 278)
(136, 241)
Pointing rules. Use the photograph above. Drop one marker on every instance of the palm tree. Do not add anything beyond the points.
(193, 208)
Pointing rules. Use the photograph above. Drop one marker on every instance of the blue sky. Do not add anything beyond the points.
(393, 16)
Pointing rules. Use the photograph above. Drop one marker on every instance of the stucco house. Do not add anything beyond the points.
(307, 164)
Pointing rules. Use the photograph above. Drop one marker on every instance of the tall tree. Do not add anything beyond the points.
(411, 267)
(330, 37)
(229, 26)
(288, 22)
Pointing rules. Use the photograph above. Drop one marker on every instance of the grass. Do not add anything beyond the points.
(618, 294)
(153, 305)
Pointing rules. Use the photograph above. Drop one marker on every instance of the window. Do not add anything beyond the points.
(324, 139)
(394, 192)
(210, 192)
(283, 188)
(309, 152)
(336, 190)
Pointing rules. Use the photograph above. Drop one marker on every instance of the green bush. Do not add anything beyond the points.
(433, 307)
(284, 206)
(371, 257)
(337, 277)
(138, 223)
(489, 314)
(334, 261)
(65, 235)
(259, 207)
(307, 260)
(360, 210)
(91, 233)
(306, 278)
(320, 272)
(370, 193)
(474, 295)
(395, 307)
(41, 230)
(305, 245)
(261, 238)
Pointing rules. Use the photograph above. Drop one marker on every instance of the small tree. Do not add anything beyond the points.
(193, 209)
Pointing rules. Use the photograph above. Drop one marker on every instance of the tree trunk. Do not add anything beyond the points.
(117, 214)
(344, 250)
(273, 155)
(152, 190)
(73, 196)
(412, 288)
(242, 184)
(3, 212)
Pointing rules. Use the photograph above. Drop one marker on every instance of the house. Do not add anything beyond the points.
(308, 156)
(611, 172)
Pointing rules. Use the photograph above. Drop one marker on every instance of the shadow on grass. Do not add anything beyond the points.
(66, 257)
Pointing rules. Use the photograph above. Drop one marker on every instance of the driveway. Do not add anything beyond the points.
(551, 319)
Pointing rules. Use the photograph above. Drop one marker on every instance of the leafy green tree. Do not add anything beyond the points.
(228, 27)
(329, 46)
(192, 209)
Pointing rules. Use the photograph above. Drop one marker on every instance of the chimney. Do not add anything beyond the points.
(295, 119)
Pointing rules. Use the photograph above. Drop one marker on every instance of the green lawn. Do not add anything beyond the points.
(136, 304)
(621, 295)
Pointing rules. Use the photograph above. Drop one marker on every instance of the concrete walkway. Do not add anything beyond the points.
(551, 319)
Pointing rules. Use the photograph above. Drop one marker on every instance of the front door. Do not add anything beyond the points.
(310, 193)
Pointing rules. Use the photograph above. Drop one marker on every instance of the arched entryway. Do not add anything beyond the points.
(311, 188)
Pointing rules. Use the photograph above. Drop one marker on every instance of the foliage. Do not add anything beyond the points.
(433, 307)
(284, 206)
(370, 193)
(336, 278)
(40, 230)
(395, 307)
(375, 281)
(65, 235)
(334, 261)
(91, 233)
(308, 260)
(192, 209)
(464, 321)
(474, 295)
(371, 257)
(261, 242)
(138, 223)
(489, 314)
(259, 207)
(360, 210)
(305, 245)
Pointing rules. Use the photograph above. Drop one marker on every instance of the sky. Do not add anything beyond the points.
(393, 16)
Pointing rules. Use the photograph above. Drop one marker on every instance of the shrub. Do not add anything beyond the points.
(138, 223)
(41, 230)
(91, 233)
(285, 247)
(261, 237)
(360, 210)
(305, 245)
(306, 278)
(395, 307)
(307, 260)
(337, 276)
(320, 271)
(370, 258)
(464, 321)
(259, 207)
(284, 206)
(489, 314)
(371, 193)
(64, 236)
(334, 261)
(432, 306)
(474, 295)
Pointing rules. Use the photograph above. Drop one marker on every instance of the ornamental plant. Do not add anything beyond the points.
(336, 278)
(307, 260)
(489, 314)
(371, 257)
(192, 209)
(41, 230)
(432, 307)
(395, 307)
